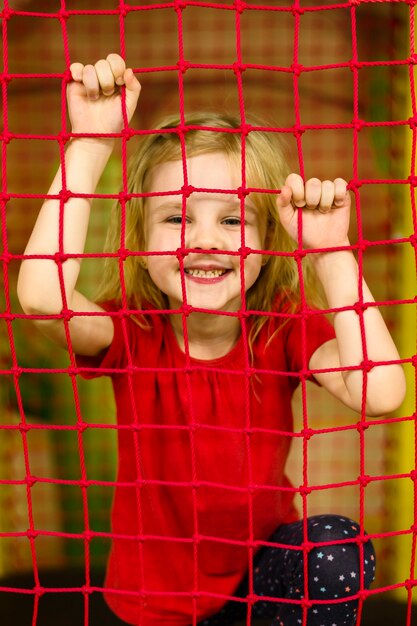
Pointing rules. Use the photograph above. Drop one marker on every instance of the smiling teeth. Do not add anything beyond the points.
(203, 274)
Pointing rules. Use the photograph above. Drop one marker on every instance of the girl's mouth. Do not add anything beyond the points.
(199, 273)
(206, 276)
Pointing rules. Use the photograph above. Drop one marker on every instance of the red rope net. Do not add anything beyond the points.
(292, 72)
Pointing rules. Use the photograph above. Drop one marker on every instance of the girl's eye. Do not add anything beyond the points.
(175, 219)
(232, 221)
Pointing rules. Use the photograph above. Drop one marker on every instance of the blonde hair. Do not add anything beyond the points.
(266, 168)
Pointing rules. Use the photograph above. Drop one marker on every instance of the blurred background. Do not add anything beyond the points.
(327, 93)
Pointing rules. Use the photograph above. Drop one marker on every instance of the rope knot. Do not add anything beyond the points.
(123, 197)
(122, 254)
(363, 245)
(239, 6)
(82, 427)
(67, 315)
(297, 10)
(7, 317)
(238, 68)
(354, 184)
(361, 427)
(304, 490)
(63, 138)
(412, 122)
(30, 481)
(186, 309)
(124, 10)
(296, 68)
(65, 195)
(6, 257)
(39, 591)
(5, 78)
(354, 65)
(17, 371)
(246, 129)
(63, 15)
(127, 133)
(307, 603)
(187, 190)
(7, 13)
(358, 124)
(359, 307)
(367, 366)
(60, 257)
(242, 192)
(413, 180)
(364, 481)
(183, 66)
(181, 254)
(244, 251)
(180, 5)
(299, 254)
(308, 546)
(298, 131)
(6, 137)
(307, 433)
(84, 589)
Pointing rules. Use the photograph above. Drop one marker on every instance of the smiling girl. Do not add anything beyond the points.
(204, 527)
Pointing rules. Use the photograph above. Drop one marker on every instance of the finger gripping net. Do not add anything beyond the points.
(347, 105)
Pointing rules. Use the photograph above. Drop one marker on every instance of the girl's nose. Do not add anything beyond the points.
(203, 237)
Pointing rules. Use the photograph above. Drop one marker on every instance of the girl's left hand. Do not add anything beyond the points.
(325, 209)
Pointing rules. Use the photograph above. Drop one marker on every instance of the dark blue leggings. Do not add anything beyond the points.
(333, 573)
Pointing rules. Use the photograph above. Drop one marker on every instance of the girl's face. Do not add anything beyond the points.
(213, 222)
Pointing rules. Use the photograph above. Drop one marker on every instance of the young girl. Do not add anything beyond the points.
(204, 527)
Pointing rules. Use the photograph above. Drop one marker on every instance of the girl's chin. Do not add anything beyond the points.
(210, 305)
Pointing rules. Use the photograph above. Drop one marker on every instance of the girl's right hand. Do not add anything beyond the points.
(94, 97)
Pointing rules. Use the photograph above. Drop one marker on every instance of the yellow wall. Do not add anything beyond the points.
(403, 460)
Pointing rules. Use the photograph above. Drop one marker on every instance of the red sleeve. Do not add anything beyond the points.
(110, 360)
(303, 337)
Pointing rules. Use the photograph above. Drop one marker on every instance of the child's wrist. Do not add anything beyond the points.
(324, 260)
(339, 276)
(99, 146)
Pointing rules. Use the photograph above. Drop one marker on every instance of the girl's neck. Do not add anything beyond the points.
(209, 336)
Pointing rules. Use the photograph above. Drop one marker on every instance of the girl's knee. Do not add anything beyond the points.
(335, 568)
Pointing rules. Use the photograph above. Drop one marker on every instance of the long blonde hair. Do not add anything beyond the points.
(266, 168)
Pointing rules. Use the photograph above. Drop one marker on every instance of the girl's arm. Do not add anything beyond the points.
(325, 223)
(94, 104)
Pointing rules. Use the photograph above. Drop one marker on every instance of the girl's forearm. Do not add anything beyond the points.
(39, 288)
(339, 275)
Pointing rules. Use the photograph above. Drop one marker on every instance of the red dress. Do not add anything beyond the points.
(202, 448)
